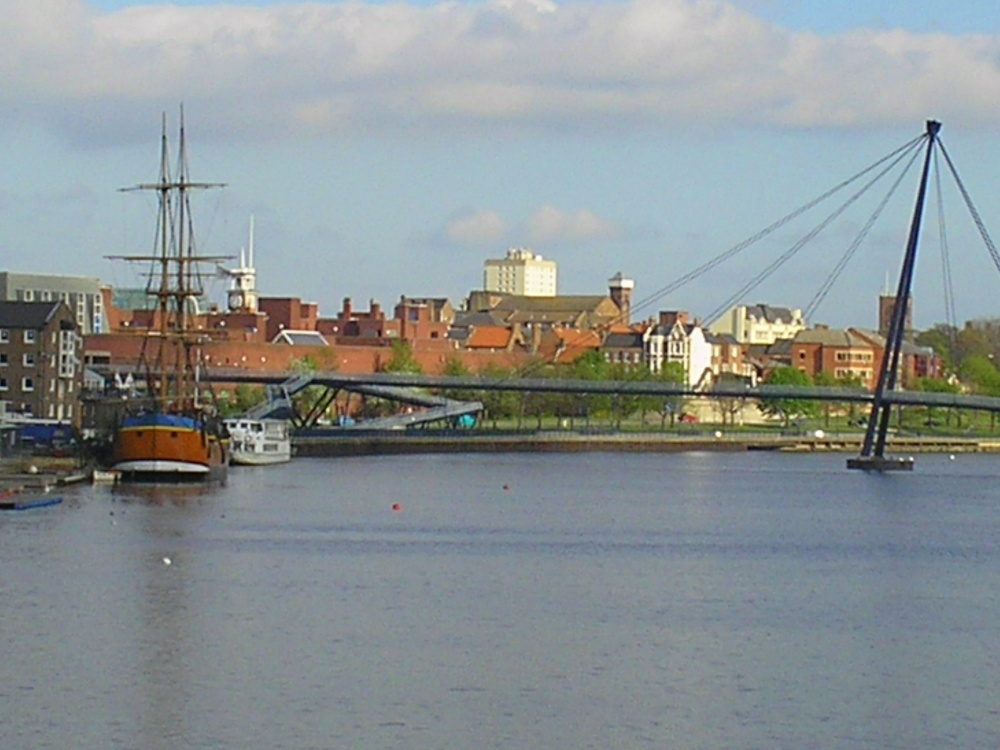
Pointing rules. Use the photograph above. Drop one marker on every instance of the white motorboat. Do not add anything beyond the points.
(259, 442)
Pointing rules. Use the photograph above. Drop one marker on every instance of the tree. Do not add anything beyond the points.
(788, 408)
(980, 372)
(402, 359)
(456, 368)
(671, 406)
(313, 400)
(936, 385)
(970, 342)
(245, 398)
(498, 404)
(729, 407)
(591, 365)
(940, 338)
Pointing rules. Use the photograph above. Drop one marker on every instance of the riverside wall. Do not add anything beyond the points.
(395, 442)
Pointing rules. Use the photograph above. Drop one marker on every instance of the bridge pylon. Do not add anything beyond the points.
(872, 456)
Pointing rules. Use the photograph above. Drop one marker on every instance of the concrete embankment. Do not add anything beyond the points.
(357, 443)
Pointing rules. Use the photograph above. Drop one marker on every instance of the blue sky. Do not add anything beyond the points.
(390, 148)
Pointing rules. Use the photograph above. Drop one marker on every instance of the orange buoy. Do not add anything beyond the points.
(397, 507)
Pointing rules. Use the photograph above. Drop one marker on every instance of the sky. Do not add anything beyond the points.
(390, 148)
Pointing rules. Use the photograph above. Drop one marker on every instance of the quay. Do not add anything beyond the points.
(328, 444)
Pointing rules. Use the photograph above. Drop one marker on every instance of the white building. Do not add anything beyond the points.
(522, 273)
(759, 324)
(676, 339)
(81, 293)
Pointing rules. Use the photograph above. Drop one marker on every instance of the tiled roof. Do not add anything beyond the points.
(482, 318)
(27, 315)
(300, 338)
(830, 337)
(620, 340)
(574, 342)
(721, 338)
(488, 337)
(908, 348)
(770, 313)
(563, 303)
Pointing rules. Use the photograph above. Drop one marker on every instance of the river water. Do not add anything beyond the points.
(511, 601)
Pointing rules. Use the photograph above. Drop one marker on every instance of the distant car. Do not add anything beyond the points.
(688, 418)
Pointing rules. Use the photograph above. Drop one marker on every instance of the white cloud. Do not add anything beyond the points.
(312, 68)
(549, 226)
(479, 229)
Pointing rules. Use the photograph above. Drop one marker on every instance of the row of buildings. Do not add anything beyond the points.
(53, 327)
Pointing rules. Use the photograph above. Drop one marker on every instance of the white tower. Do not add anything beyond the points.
(242, 295)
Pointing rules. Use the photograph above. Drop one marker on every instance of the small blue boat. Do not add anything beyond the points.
(29, 503)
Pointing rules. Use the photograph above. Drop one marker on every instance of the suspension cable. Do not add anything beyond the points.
(741, 246)
(894, 157)
(972, 209)
(852, 249)
(949, 290)
(754, 282)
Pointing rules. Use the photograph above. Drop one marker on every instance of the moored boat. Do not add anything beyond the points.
(156, 445)
(259, 442)
(171, 431)
(103, 476)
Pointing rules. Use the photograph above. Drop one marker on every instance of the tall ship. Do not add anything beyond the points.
(172, 429)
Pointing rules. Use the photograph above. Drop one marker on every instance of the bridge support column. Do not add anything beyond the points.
(872, 457)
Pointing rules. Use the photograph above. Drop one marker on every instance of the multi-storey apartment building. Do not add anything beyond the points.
(521, 273)
(40, 360)
(81, 294)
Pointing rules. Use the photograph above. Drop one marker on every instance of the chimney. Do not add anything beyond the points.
(347, 307)
(670, 317)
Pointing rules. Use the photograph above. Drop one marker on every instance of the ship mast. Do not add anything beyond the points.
(170, 355)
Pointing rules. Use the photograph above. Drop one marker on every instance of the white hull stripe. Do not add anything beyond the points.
(161, 467)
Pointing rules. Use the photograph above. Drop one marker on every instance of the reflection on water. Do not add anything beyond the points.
(167, 493)
(686, 601)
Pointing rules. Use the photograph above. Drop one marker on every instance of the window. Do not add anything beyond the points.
(4, 335)
(3, 384)
(3, 359)
(27, 384)
(28, 360)
(29, 337)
